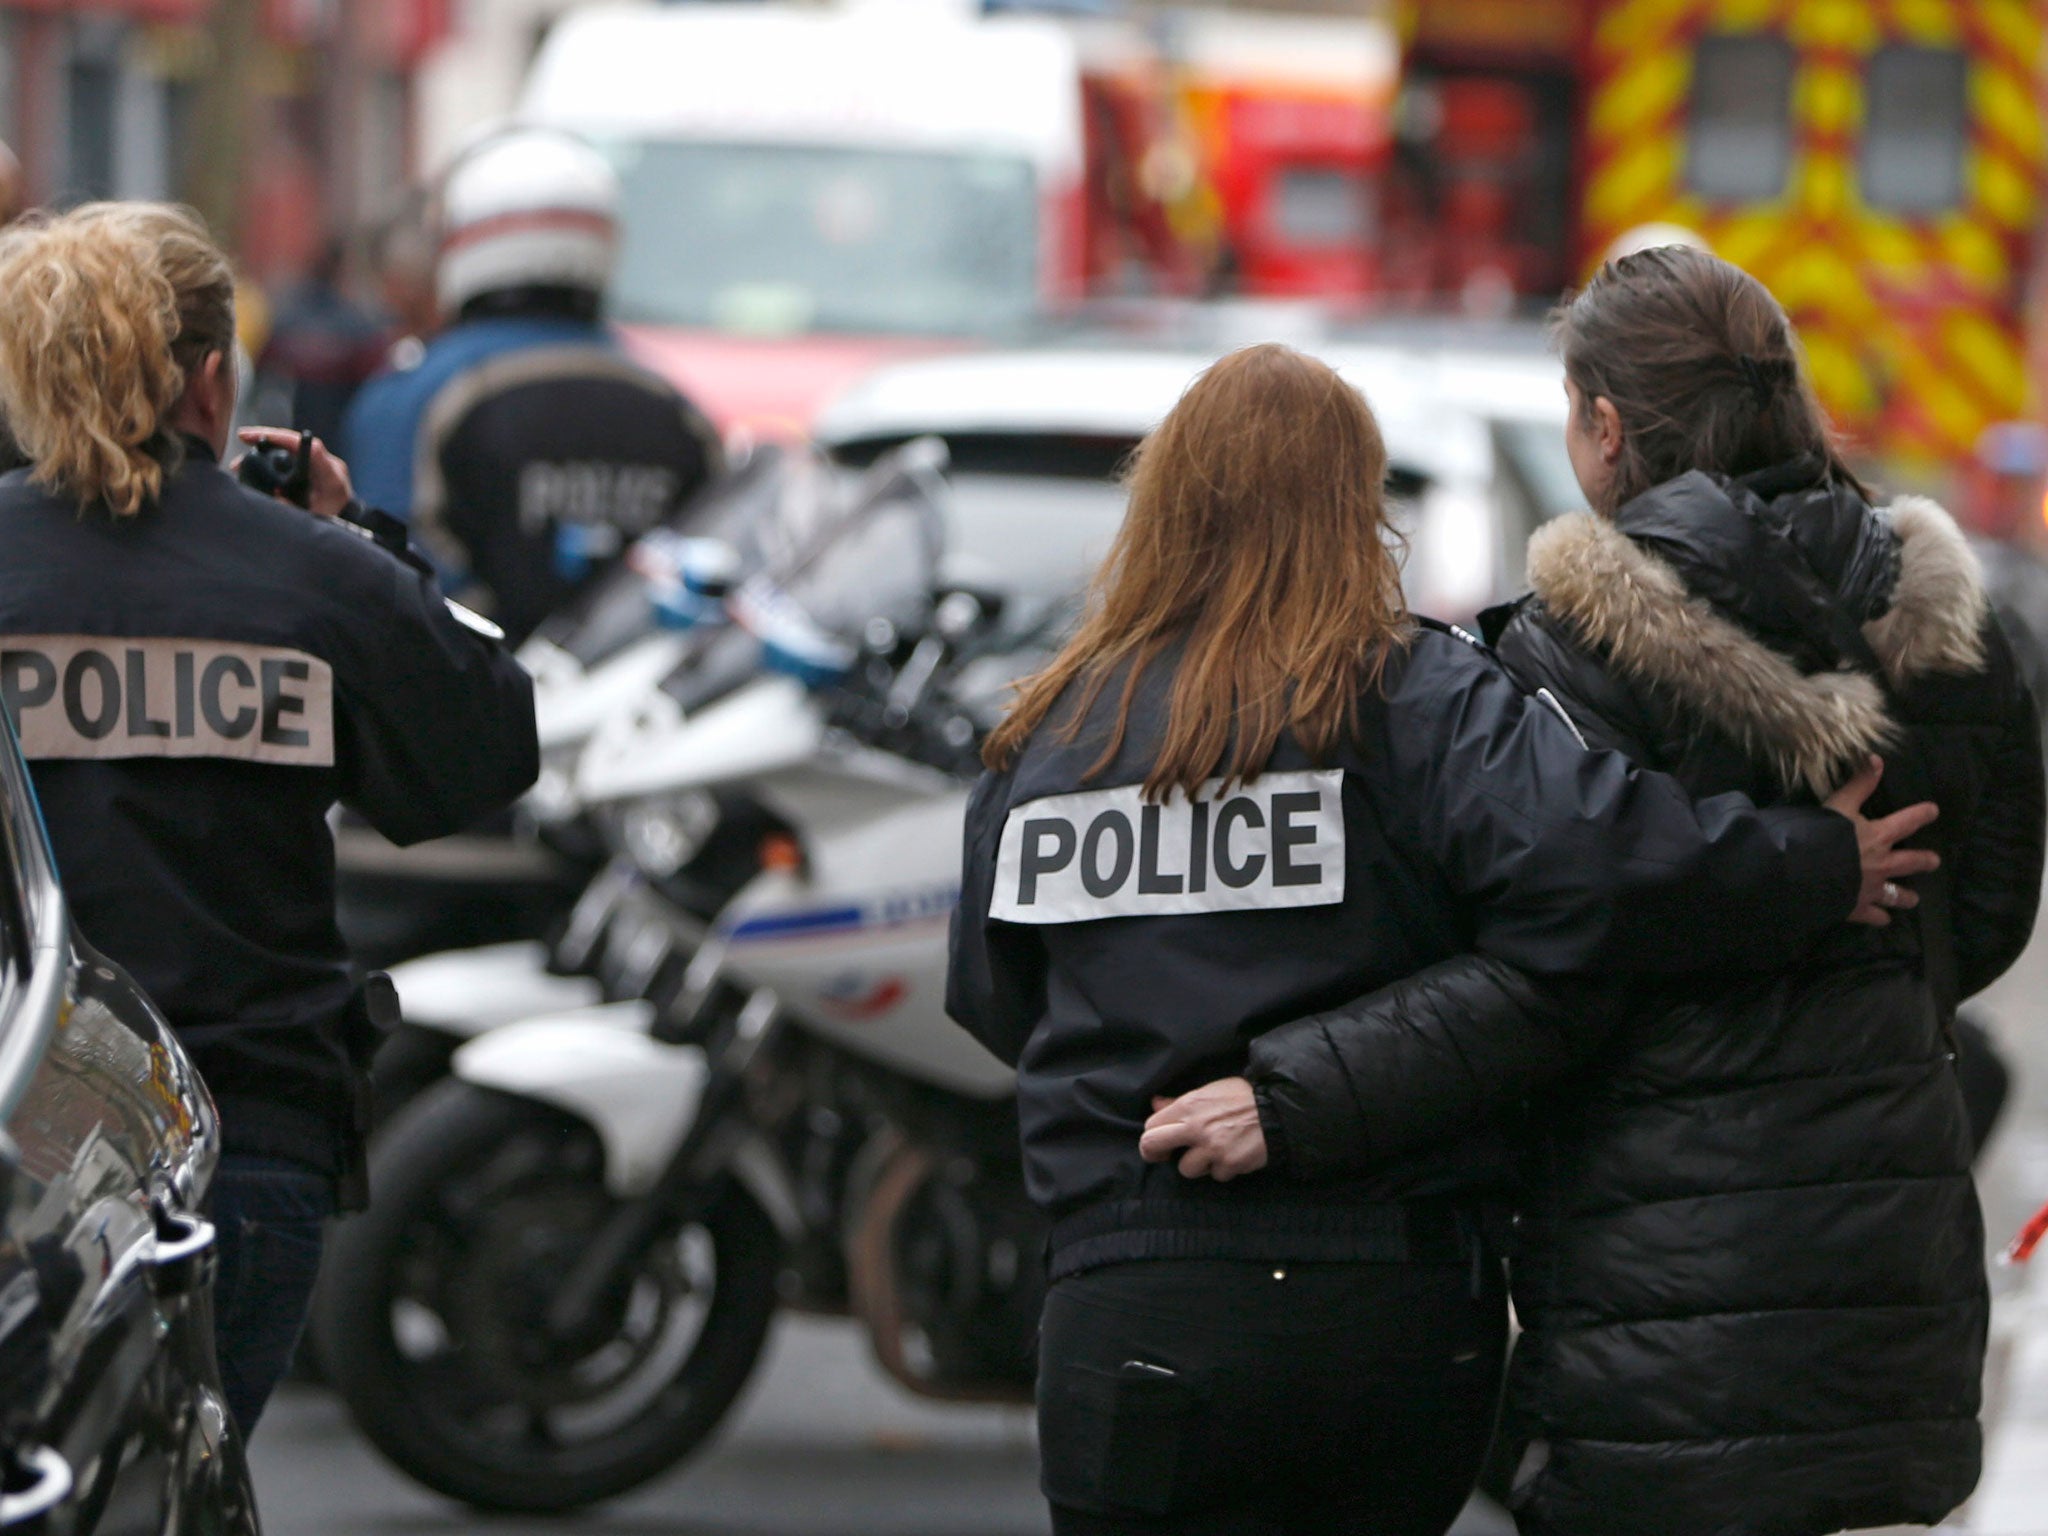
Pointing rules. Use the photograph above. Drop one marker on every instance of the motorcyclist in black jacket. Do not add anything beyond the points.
(198, 674)
(1372, 797)
(1749, 1262)
(525, 448)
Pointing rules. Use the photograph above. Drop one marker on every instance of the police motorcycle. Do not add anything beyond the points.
(581, 1239)
(657, 620)
(632, 626)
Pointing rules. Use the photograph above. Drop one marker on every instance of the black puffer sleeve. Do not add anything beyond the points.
(1404, 1067)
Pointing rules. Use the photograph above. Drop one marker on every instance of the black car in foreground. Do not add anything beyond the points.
(112, 1421)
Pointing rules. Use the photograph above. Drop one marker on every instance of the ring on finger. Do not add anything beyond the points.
(1892, 896)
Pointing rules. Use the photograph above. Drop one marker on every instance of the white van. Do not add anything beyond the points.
(812, 189)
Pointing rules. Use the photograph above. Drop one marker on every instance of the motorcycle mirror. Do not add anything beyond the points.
(925, 455)
(708, 567)
(957, 615)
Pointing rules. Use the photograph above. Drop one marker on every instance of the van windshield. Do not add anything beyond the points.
(782, 239)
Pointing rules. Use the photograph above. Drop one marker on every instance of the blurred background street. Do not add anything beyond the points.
(985, 247)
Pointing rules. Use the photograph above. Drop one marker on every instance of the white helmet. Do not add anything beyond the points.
(525, 208)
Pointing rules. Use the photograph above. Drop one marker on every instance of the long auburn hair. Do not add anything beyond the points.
(1256, 539)
(1702, 365)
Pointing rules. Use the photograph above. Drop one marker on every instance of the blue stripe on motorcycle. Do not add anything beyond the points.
(793, 924)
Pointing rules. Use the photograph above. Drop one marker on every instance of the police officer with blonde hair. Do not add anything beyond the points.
(198, 673)
(13, 195)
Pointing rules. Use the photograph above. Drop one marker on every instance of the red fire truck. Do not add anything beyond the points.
(1878, 163)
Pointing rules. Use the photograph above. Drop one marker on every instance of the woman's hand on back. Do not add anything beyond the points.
(1884, 862)
(1215, 1129)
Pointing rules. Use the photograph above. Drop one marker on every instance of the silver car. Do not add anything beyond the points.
(112, 1421)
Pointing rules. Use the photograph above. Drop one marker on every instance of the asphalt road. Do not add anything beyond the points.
(823, 1445)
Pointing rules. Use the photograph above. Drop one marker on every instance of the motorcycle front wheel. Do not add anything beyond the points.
(433, 1326)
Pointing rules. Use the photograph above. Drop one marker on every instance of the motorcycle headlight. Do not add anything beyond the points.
(663, 835)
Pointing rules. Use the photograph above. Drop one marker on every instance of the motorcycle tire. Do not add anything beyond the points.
(429, 1315)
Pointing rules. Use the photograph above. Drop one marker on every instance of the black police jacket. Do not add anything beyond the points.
(195, 687)
(528, 451)
(1115, 950)
(1749, 1264)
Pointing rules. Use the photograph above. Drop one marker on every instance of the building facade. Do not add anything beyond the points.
(286, 120)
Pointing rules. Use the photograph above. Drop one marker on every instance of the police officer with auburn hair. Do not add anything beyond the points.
(198, 673)
(1252, 787)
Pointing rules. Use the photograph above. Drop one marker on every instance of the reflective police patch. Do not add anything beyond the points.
(105, 697)
(1276, 842)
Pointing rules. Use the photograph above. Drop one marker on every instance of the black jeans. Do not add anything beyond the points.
(271, 1213)
(1214, 1398)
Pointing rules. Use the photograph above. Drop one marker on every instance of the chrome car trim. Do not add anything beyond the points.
(35, 1018)
(181, 1263)
(52, 1486)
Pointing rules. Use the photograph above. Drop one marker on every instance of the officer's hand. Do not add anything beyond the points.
(1884, 864)
(1218, 1126)
(331, 489)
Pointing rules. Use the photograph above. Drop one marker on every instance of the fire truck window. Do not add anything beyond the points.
(1318, 207)
(1915, 129)
(1740, 147)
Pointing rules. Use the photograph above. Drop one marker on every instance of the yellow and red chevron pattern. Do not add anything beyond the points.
(1914, 326)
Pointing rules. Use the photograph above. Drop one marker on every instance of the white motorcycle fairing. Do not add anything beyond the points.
(640, 1095)
(855, 944)
(860, 955)
(571, 701)
(466, 992)
(771, 725)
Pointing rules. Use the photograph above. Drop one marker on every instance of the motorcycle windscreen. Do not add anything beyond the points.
(836, 583)
(625, 604)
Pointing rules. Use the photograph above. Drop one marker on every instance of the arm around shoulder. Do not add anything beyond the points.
(1574, 859)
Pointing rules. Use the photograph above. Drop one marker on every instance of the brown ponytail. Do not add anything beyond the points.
(103, 312)
(1702, 366)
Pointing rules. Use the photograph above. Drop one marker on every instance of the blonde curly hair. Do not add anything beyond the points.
(104, 311)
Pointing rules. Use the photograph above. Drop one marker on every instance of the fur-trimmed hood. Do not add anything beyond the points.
(1811, 727)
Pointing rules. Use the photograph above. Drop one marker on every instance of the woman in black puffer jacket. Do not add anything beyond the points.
(1748, 1260)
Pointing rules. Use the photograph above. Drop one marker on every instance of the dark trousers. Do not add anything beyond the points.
(1208, 1398)
(271, 1213)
